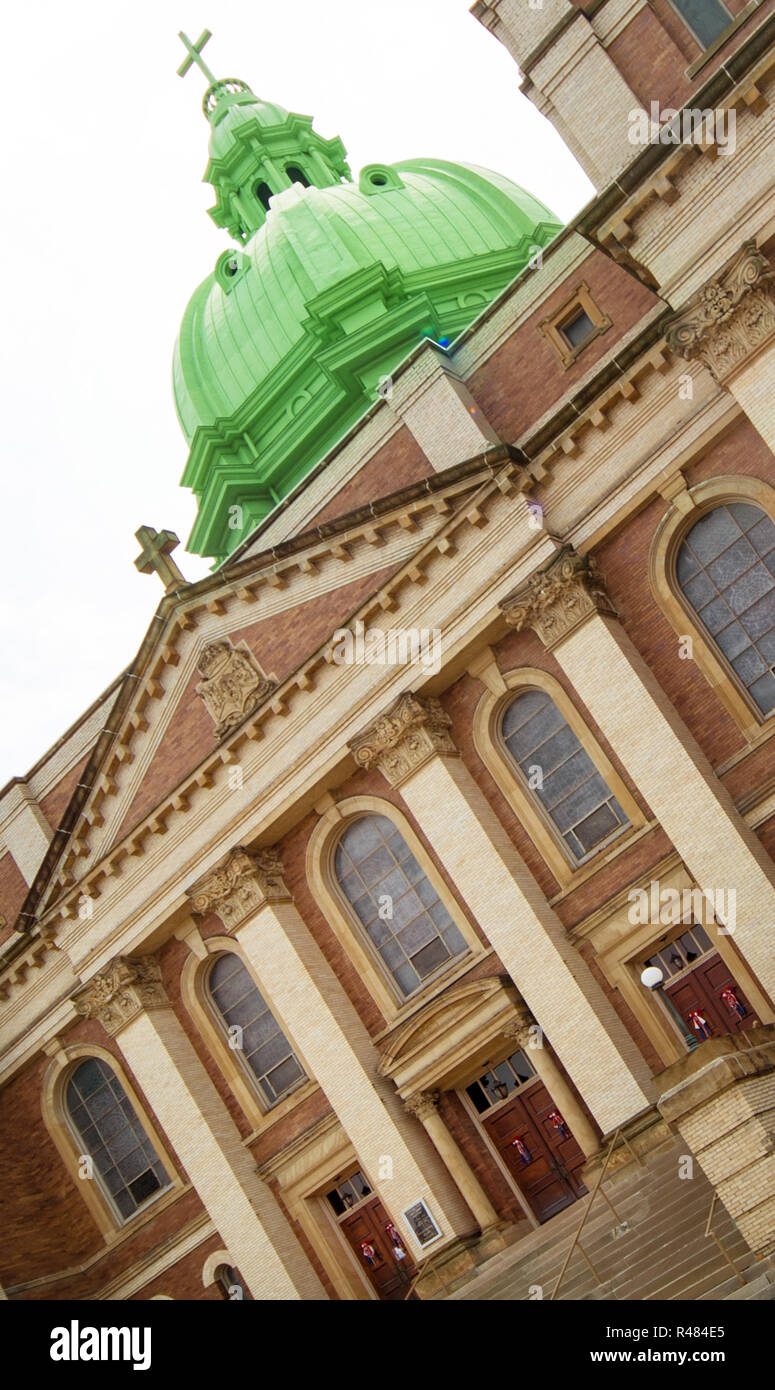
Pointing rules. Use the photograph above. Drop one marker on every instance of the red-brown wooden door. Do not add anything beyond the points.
(366, 1231)
(701, 992)
(544, 1159)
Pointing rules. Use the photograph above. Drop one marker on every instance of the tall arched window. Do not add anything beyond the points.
(400, 911)
(725, 568)
(254, 1033)
(560, 774)
(296, 175)
(106, 1125)
(263, 193)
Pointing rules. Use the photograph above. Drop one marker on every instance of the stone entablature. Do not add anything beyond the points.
(730, 318)
(402, 739)
(240, 884)
(559, 598)
(119, 994)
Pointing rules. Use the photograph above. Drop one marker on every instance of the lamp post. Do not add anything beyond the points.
(652, 977)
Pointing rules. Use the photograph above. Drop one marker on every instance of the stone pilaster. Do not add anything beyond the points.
(566, 606)
(248, 894)
(412, 746)
(129, 1000)
(729, 324)
(566, 66)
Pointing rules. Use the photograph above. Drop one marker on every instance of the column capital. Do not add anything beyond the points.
(730, 317)
(519, 1027)
(559, 598)
(423, 1104)
(399, 741)
(238, 885)
(118, 994)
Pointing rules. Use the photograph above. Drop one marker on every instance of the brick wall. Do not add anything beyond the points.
(280, 643)
(13, 891)
(524, 377)
(397, 464)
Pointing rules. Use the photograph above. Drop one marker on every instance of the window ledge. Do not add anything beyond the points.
(593, 866)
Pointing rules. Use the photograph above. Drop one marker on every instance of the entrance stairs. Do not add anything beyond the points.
(656, 1250)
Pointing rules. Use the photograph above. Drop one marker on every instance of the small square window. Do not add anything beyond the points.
(578, 328)
(576, 323)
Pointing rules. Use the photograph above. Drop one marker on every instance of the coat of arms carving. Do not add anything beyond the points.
(233, 683)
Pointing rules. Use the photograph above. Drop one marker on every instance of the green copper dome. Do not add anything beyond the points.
(331, 283)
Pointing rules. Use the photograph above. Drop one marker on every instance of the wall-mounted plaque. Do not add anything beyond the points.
(422, 1223)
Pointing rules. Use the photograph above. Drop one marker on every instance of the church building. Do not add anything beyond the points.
(410, 896)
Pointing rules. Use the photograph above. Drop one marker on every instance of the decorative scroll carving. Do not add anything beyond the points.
(423, 1104)
(558, 599)
(233, 684)
(127, 988)
(239, 885)
(410, 732)
(729, 318)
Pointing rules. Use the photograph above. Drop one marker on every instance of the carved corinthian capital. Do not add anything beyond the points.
(422, 1105)
(729, 318)
(239, 885)
(127, 988)
(410, 732)
(559, 598)
(519, 1027)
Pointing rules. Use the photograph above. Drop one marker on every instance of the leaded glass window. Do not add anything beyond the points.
(253, 1030)
(725, 568)
(399, 909)
(560, 774)
(707, 19)
(107, 1127)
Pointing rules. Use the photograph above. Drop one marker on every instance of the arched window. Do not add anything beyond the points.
(560, 774)
(254, 1033)
(106, 1125)
(400, 911)
(296, 176)
(263, 193)
(229, 1282)
(725, 568)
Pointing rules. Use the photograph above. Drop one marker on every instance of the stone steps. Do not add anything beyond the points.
(662, 1254)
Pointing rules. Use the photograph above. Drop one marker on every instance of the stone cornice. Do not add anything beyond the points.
(730, 317)
(120, 993)
(559, 599)
(402, 739)
(240, 884)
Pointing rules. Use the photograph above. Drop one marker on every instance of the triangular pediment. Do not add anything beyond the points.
(262, 627)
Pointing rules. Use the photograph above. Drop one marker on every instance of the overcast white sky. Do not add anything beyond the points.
(105, 236)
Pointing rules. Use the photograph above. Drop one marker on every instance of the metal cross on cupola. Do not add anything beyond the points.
(155, 556)
(195, 55)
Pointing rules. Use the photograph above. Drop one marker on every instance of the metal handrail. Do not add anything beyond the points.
(713, 1236)
(582, 1223)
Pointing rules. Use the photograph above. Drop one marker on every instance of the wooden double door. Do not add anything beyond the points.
(710, 1001)
(539, 1150)
(388, 1266)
